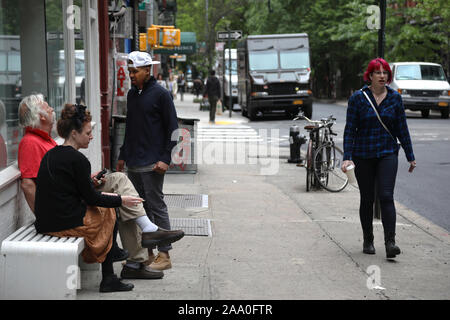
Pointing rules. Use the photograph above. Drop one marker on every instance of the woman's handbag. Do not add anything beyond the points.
(379, 118)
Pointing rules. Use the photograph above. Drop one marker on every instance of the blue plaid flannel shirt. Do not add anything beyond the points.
(365, 137)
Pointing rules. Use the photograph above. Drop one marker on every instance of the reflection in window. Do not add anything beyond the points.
(56, 58)
(233, 67)
(420, 72)
(263, 60)
(10, 81)
(294, 59)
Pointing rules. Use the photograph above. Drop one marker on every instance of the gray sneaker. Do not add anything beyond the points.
(143, 272)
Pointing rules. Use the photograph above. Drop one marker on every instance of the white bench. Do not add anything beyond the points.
(37, 266)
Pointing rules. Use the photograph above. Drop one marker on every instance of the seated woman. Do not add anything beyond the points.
(68, 205)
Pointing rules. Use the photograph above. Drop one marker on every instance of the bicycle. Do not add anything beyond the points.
(323, 157)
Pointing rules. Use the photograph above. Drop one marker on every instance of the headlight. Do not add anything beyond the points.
(402, 91)
(445, 93)
(304, 92)
(259, 94)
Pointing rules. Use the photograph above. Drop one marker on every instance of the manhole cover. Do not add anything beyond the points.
(186, 200)
(192, 227)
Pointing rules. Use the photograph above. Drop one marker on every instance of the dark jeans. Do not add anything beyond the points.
(149, 185)
(383, 171)
(212, 107)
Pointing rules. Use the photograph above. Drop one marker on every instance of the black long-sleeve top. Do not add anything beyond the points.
(64, 189)
(151, 121)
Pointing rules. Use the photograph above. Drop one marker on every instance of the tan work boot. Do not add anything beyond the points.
(151, 258)
(162, 261)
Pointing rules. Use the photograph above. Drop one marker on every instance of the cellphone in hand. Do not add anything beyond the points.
(101, 174)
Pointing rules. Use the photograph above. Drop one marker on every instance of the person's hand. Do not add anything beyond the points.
(161, 167)
(345, 164)
(130, 201)
(119, 166)
(97, 183)
(412, 166)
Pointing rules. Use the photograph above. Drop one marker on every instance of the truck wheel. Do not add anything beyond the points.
(251, 113)
(307, 109)
(425, 113)
(243, 111)
(444, 113)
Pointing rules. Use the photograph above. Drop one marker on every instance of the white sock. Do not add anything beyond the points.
(145, 224)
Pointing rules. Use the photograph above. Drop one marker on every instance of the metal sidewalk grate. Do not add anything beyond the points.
(192, 227)
(186, 200)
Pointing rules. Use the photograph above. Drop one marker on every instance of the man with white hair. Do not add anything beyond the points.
(37, 117)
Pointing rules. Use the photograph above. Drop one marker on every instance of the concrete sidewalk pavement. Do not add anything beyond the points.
(273, 240)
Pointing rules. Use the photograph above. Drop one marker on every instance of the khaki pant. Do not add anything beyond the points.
(129, 231)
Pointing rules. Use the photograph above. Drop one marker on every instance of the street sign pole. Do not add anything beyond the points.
(381, 35)
(229, 73)
(229, 35)
(223, 76)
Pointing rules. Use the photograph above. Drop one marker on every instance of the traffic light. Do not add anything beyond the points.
(171, 38)
(153, 36)
(142, 42)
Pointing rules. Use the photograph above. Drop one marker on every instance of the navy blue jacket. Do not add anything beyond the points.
(364, 135)
(151, 120)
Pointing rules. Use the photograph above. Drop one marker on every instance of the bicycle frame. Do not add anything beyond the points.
(321, 149)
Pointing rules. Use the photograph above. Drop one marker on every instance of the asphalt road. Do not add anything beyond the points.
(426, 190)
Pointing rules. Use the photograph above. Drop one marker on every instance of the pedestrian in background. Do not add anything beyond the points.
(212, 91)
(161, 81)
(147, 146)
(375, 120)
(172, 86)
(181, 84)
(198, 87)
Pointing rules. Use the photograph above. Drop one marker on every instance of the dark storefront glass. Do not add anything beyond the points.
(10, 81)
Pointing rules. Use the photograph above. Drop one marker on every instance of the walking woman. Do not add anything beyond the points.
(67, 205)
(375, 120)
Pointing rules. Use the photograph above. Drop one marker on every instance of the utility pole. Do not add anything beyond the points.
(229, 72)
(207, 31)
(150, 20)
(381, 34)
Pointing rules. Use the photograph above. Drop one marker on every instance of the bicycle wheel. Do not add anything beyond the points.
(309, 167)
(327, 168)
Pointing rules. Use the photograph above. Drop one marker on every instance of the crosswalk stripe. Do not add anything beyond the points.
(228, 134)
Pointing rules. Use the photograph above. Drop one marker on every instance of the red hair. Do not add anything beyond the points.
(376, 64)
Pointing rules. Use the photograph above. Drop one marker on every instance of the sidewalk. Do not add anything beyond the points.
(273, 240)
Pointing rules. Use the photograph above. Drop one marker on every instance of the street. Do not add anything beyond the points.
(425, 191)
(265, 230)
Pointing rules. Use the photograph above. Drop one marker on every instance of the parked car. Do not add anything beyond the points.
(423, 87)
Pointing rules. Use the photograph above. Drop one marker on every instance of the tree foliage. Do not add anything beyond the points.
(340, 38)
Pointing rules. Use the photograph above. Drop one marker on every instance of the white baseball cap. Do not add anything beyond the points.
(140, 59)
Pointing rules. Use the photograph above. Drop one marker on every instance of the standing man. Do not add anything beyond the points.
(212, 91)
(146, 150)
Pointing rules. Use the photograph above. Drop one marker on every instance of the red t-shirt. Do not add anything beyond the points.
(32, 148)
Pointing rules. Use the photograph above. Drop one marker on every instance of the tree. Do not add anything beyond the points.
(341, 40)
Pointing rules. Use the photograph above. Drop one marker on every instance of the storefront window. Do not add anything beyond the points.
(57, 93)
(10, 81)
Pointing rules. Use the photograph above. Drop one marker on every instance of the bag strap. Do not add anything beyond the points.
(378, 116)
